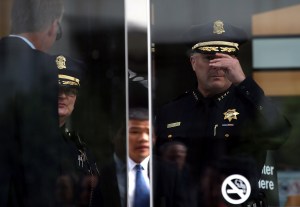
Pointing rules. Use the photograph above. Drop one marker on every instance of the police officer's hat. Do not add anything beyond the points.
(216, 36)
(69, 71)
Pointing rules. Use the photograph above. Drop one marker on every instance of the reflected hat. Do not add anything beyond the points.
(216, 36)
(69, 71)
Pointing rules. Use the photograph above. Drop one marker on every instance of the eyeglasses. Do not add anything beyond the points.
(59, 32)
(68, 91)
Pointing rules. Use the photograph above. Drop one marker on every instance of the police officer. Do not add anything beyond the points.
(79, 169)
(226, 122)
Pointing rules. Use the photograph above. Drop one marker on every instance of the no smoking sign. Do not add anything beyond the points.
(236, 189)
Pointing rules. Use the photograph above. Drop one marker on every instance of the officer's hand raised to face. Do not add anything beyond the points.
(230, 65)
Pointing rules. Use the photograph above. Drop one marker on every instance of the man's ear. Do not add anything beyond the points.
(52, 30)
(193, 61)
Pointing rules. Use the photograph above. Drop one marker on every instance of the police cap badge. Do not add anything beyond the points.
(69, 71)
(216, 36)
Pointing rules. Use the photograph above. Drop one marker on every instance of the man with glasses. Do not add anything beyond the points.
(69, 83)
(28, 106)
(77, 162)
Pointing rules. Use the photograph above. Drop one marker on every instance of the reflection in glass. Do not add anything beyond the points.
(139, 144)
(224, 120)
(39, 166)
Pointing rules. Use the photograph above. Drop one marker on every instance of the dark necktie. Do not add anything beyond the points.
(141, 194)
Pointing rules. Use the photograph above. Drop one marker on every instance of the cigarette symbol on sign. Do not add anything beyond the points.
(236, 189)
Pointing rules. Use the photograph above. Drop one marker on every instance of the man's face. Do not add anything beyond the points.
(211, 80)
(66, 101)
(138, 140)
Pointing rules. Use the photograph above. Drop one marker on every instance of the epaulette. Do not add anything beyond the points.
(186, 93)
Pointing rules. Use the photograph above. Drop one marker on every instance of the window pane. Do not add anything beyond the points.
(192, 126)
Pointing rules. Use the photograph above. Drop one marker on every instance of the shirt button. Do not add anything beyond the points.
(260, 108)
(247, 93)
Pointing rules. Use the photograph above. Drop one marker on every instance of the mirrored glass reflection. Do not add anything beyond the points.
(224, 125)
(63, 116)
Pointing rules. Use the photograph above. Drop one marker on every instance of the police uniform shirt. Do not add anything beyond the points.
(78, 162)
(239, 121)
(131, 177)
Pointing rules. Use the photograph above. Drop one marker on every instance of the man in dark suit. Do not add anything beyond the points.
(113, 182)
(166, 180)
(28, 105)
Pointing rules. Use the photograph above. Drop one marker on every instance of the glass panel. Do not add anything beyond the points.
(189, 169)
(232, 144)
(39, 166)
(138, 111)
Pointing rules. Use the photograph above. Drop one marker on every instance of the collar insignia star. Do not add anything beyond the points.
(230, 114)
(220, 98)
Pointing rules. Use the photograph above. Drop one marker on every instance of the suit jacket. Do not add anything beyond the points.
(167, 187)
(28, 125)
(109, 185)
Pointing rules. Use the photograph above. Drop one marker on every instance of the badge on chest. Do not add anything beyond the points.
(81, 158)
(231, 114)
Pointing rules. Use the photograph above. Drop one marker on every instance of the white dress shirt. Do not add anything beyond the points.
(131, 177)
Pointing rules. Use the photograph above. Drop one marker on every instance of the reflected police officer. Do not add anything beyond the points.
(78, 166)
(227, 116)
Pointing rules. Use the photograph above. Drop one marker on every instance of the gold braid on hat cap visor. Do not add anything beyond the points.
(216, 43)
(67, 77)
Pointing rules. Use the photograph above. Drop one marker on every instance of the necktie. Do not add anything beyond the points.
(141, 194)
